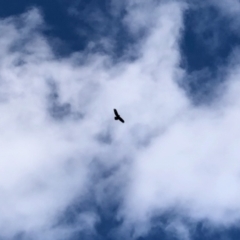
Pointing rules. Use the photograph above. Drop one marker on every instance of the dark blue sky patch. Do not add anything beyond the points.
(60, 28)
(160, 227)
(68, 31)
(207, 40)
(105, 226)
(203, 86)
(71, 217)
(206, 45)
(105, 208)
(156, 234)
(207, 232)
(11, 7)
(197, 230)
(97, 23)
(108, 225)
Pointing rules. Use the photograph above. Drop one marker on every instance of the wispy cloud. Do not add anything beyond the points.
(60, 145)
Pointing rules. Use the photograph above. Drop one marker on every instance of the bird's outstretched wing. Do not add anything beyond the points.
(115, 111)
(120, 119)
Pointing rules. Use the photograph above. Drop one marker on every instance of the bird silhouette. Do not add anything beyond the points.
(117, 116)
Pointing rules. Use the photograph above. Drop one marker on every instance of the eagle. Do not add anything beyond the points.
(117, 116)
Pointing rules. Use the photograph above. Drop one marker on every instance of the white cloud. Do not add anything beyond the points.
(168, 154)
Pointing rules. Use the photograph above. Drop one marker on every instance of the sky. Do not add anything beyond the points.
(69, 171)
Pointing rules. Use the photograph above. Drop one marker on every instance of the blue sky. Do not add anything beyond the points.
(69, 171)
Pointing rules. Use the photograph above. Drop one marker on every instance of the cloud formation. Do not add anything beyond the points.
(60, 144)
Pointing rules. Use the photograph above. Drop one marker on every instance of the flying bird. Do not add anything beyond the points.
(117, 116)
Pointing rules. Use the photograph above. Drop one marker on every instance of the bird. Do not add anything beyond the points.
(117, 116)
